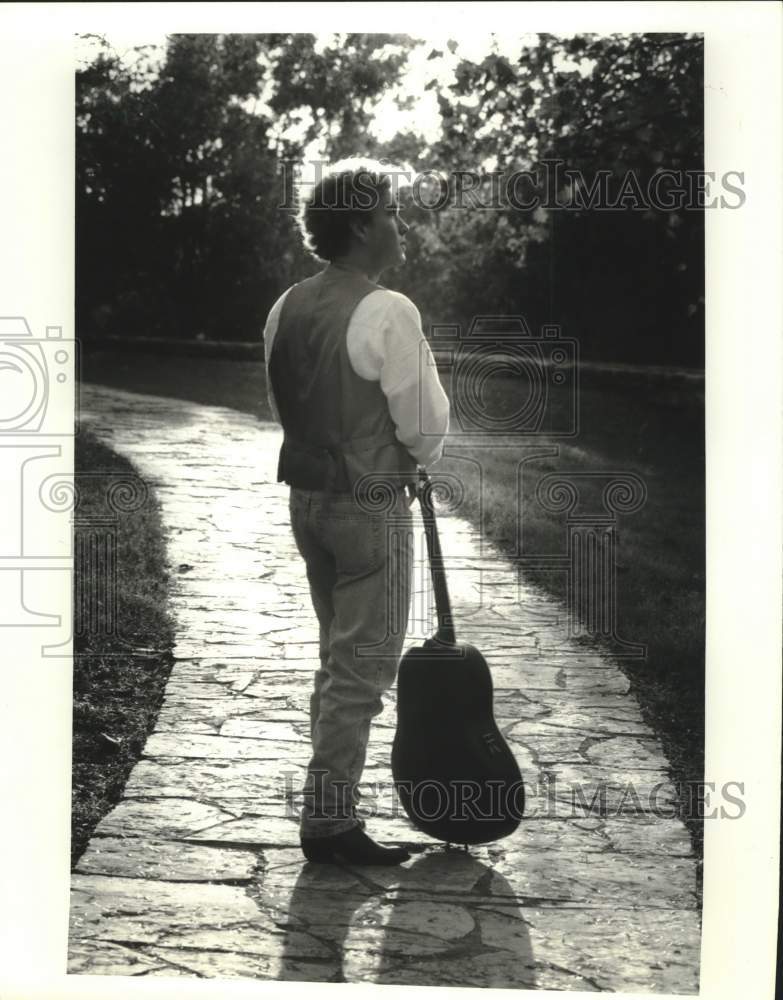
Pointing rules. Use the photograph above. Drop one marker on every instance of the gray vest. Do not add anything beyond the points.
(336, 425)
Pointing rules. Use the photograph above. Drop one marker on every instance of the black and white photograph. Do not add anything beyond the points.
(410, 633)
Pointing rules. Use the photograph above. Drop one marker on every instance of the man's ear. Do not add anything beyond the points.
(357, 226)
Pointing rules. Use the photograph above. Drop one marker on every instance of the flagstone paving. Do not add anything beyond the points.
(197, 871)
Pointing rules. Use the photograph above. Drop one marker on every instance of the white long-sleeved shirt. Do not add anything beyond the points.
(386, 344)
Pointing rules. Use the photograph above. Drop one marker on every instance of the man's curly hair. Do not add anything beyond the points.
(348, 190)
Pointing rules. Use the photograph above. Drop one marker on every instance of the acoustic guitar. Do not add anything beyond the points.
(454, 773)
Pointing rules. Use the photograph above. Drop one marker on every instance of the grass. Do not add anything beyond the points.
(211, 381)
(657, 433)
(646, 427)
(119, 677)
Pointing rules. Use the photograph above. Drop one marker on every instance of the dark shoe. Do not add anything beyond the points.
(353, 847)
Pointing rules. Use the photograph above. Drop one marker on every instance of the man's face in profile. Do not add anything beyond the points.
(384, 232)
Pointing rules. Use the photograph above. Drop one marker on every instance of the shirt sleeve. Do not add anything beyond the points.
(270, 329)
(409, 379)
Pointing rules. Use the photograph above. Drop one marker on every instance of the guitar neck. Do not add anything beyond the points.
(445, 631)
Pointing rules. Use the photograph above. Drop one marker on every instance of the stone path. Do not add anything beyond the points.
(197, 871)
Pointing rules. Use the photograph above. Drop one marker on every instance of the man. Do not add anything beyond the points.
(352, 381)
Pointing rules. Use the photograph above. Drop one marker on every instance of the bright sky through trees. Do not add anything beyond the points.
(419, 110)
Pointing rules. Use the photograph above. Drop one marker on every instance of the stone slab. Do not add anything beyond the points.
(262, 782)
(660, 954)
(170, 817)
(182, 916)
(208, 747)
(169, 861)
(103, 958)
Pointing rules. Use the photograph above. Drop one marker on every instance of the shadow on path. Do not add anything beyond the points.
(429, 923)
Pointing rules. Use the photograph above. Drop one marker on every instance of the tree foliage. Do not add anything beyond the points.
(179, 225)
(629, 283)
(336, 85)
(180, 228)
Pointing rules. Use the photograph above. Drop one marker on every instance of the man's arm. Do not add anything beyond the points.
(270, 329)
(409, 379)
(270, 396)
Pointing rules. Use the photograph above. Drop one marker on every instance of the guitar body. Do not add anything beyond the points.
(455, 775)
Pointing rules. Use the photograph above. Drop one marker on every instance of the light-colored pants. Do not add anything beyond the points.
(360, 570)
